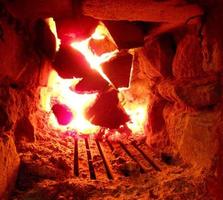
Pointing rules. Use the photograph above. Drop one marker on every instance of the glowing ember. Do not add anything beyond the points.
(58, 92)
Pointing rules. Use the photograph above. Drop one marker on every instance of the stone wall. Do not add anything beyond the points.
(19, 72)
(183, 69)
(185, 115)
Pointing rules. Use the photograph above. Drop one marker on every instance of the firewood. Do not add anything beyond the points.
(71, 63)
(106, 111)
(118, 69)
(45, 41)
(91, 84)
(75, 28)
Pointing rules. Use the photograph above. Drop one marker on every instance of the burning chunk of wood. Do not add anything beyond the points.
(118, 69)
(75, 28)
(126, 34)
(106, 111)
(62, 113)
(102, 46)
(143, 10)
(71, 63)
(45, 41)
(92, 83)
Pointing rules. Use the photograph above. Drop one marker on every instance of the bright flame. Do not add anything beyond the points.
(52, 25)
(94, 60)
(136, 109)
(58, 90)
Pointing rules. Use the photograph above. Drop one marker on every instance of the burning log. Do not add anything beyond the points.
(45, 41)
(118, 69)
(62, 113)
(91, 84)
(71, 63)
(74, 29)
(100, 47)
(134, 10)
(106, 111)
(126, 34)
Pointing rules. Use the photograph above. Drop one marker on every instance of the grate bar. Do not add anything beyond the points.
(109, 174)
(76, 164)
(110, 145)
(132, 157)
(90, 163)
(149, 160)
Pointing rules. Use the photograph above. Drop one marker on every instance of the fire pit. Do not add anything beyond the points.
(111, 100)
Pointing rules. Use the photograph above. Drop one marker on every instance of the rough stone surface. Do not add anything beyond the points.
(212, 30)
(5, 122)
(156, 120)
(188, 60)
(20, 64)
(157, 136)
(9, 164)
(24, 130)
(160, 53)
(134, 10)
(19, 72)
(142, 66)
(193, 133)
(11, 48)
(196, 93)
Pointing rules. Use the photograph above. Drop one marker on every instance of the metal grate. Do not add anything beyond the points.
(126, 152)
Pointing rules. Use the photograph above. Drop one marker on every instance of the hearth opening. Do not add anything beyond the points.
(111, 100)
(75, 105)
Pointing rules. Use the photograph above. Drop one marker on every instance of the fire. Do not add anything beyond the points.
(94, 60)
(58, 90)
